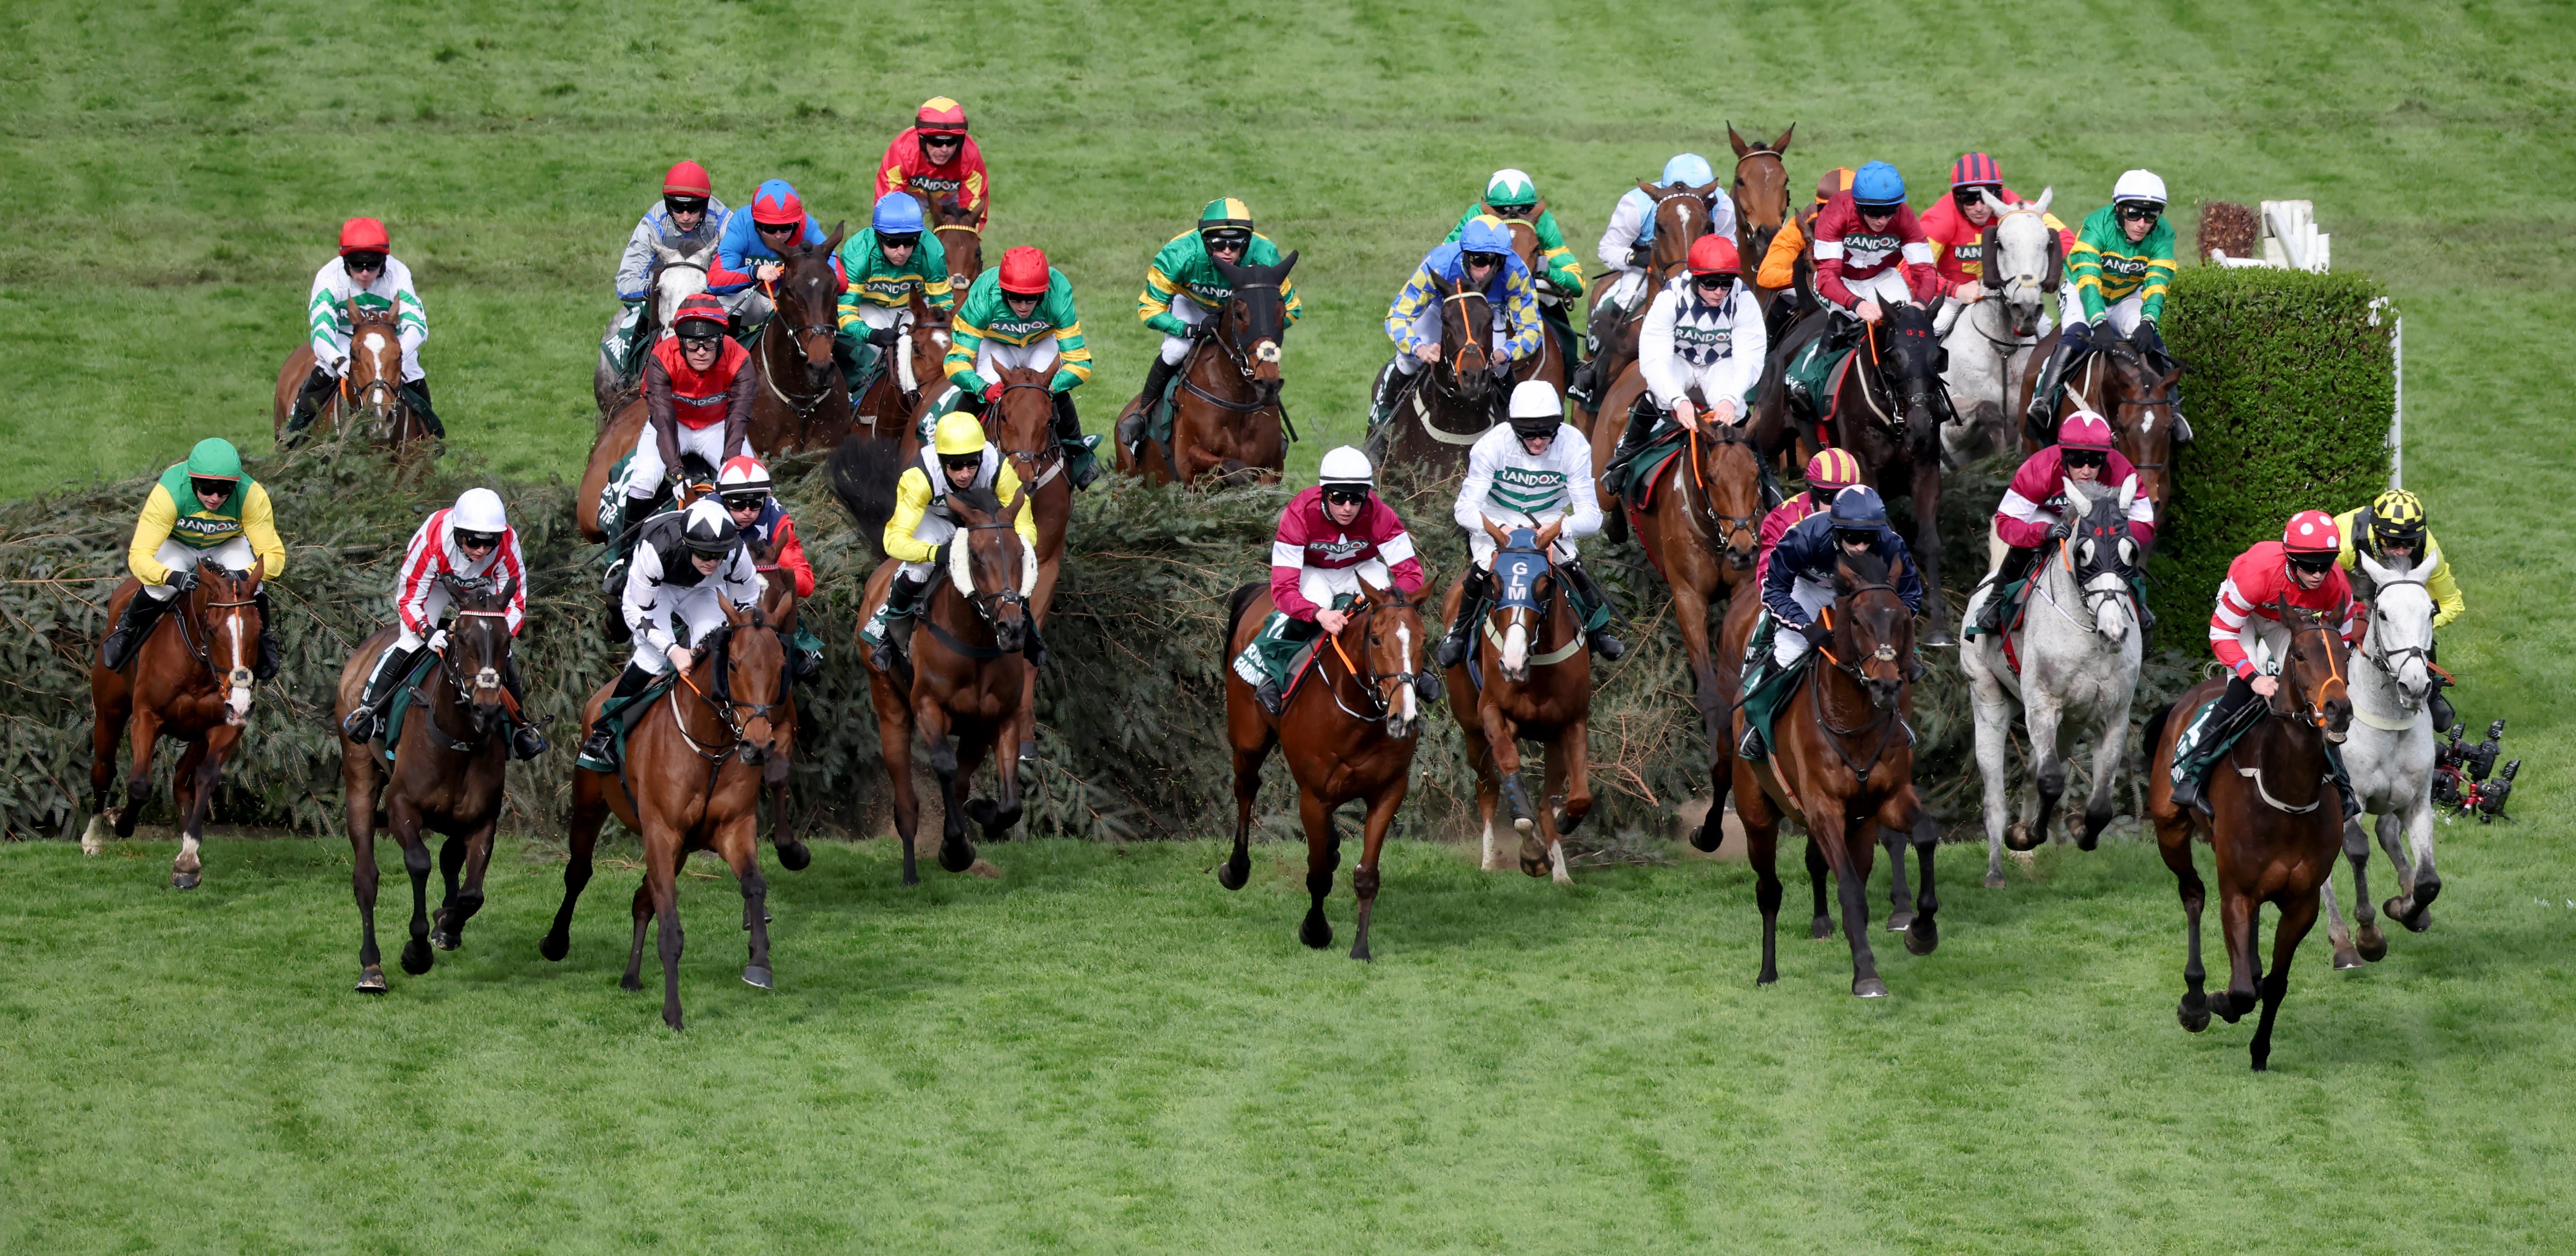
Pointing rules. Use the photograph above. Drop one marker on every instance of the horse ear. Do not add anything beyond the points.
(1990, 249)
(2128, 495)
(832, 242)
(1011, 508)
(1494, 531)
(1547, 535)
(1650, 190)
(1705, 190)
(1286, 264)
(2075, 493)
(1375, 591)
(1228, 271)
(2048, 279)
(1994, 204)
(2379, 573)
(1742, 149)
(2045, 195)
(1781, 145)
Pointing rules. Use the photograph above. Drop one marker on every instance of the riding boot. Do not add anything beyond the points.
(2440, 707)
(308, 403)
(1471, 608)
(1080, 467)
(1268, 695)
(2043, 398)
(265, 667)
(525, 741)
(133, 625)
(2343, 782)
(367, 718)
(856, 358)
(415, 394)
(2191, 754)
(1392, 385)
(1600, 639)
(1752, 747)
(1643, 418)
(600, 747)
(890, 629)
(1581, 383)
(2016, 564)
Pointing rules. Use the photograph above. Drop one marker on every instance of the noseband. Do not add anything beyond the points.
(2389, 661)
(1728, 526)
(723, 703)
(1372, 681)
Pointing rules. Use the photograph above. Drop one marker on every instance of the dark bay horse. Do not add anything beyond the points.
(370, 385)
(1842, 759)
(1456, 398)
(802, 403)
(961, 237)
(912, 373)
(1761, 192)
(690, 780)
(1700, 530)
(2275, 822)
(778, 607)
(189, 679)
(1531, 676)
(1349, 731)
(1021, 426)
(1680, 217)
(1226, 418)
(446, 775)
(2134, 395)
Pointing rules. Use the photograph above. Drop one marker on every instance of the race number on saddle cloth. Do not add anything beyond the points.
(1531, 471)
(1705, 332)
(1627, 241)
(741, 253)
(1956, 225)
(2247, 635)
(1414, 319)
(2033, 512)
(1330, 538)
(206, 509)
(886, 263)
(1829, 472)
(957, 460)
(691, 407)
(908, 165)
(471, 540)
(1798, 586)
(687, 219)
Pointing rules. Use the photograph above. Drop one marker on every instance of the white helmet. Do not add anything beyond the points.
(479, 510)
(1346, 465)
(1536, 398)
(2139, 185)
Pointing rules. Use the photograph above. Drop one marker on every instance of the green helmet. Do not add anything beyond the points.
(1510, 187)
(214, 458)
(1225, 212)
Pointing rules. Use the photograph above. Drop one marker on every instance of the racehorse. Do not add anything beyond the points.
(961, 237)
(370, 383)
(617, 438)
(2268, 848)
(778, 607)
(2390, 755)
(1840, 759)
(1549, 364)
(802, 402)
(189, 679)
(1348, 731)
(689, 780)
(1990, 343)
(912, 374)
(2137, 396)
(1443, 414)
(1020, 425)
(675, 276)
(1680, 216)
(1761, 192)
(2078, 656)
(1530, 676)
(1226, 416)
(449, 761)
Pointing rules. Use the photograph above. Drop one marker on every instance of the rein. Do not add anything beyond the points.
(1372, 681)
(483, 678)
(1887, 721)
(768, 368)
(1046, 462)
(1727, 525)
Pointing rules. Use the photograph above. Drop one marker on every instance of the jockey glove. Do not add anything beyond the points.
(882, 337)
(2060, 530)
(2147, 340)
(1816, 633)
(992, 392)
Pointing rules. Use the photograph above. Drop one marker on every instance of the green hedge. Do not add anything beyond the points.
(2291, 385)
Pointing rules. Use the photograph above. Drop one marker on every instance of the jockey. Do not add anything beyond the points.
(2392, 529)
(1511, 196)
(1870, 253)
(206, 509)
(471, 540)
(1798, 584)
(1828, 473)
(367, 271)
(743, 485)
(688, 565)
(886, 263)
(958, 460)
(2299, 568)
(1957, 226)
(2116, 272)
(1704, 331)
(2032, 514)
(1020, 314)
(698, 389)
(747, 252)
(1330, 537)
(1626, 242)
(935, 156)
(1528, 473)
(1779, 271)
(1481, 258)
(687, 218)
(1183, 287)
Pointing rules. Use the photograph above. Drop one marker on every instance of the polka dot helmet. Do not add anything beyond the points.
(2311, 532)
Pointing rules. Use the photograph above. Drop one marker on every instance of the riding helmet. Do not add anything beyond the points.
(1714, 255)
(1024, 271)
(1485, 233)
(959, 434)
(896, 213)
(776, 204)
(701, 308)
(1510, 187)
(2084, 430)
(1858, 509)
(709, 531)
(1347, 465)
(2311, 532)
(1833, 468)
(940, 116)
(1838, 179)
(1877, 186)
(2397, 518)
(1226, 218)
(479, 510)
(688, 178)
(1688, 170)
(1976, 170)
(1535, 409)
(742, 475)
(364, 235)
(214, 458)
(2139, 185)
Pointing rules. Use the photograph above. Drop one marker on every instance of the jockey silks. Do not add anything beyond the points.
(701, 399)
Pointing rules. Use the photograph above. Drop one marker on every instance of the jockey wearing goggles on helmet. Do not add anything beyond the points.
(1957, 228)
(1870, 251)
(1828, 473)
(1798, 584)
(2033, 513)
(935, 156)
(1020, 315)
(699, 385)
(686, 220)
(471, 540)
(688, 565)
(206, 509)
(888, 263)
(1527, 473)
(2116, 274)
(1184, 287)
(1480, 260)
(365, 274)
(958, 460)
(1705, 332)
(1330, 538)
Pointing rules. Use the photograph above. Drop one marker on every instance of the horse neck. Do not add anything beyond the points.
(1211, 365)
(2373, 691)
(2289, 751)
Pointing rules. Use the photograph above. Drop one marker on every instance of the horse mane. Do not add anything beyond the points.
(1869, 567)
(1235, 604)
(864, 472)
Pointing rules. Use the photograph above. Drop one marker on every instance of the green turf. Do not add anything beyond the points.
(1103, 1051)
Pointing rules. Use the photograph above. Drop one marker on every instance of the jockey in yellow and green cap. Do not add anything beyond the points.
(1511, 196)
(206, 509)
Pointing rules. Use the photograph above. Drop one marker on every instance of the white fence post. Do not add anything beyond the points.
(2397, 415)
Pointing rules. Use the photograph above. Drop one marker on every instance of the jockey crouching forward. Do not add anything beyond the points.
(1704, 331)
(1829, 472)
(1330, 538)
(688, 566)
(887, 263)
(1797, 586)
(1531, 472)
(744, 488)
(1957, 224)
(1511, 196)
(958, 460)
(1778, 271)
(934, 156)
(367, 272)
(2032, 515)
(2393, 528)
(471, 540)
(2299, 568)
(1480, 260)
(688, 219)
(749, 254)
(2116, 274)
(1184, 289)
(698, 388)
(1020, 315)
(203, 510)
(1870, 253)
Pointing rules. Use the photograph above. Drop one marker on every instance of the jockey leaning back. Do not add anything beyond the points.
(2300, 569)
(1797, 586)
(1480, 259)
(2393, 529)
(748, 256)
(1624, 248)
(1184, 289)
(934, 156)
(743, 486)
(471, 540)
(2116, 273)
(1527, 473)
(1778, 272)
(687, 219)
(1870, 253)
(688, 566)
(1020, 315)
(2032, 515)
(959, 460)
(206, 509)
(886, 263)
(1956, 226)
(1330, 538)
(1704, 331)
(365, 271)
(1510, 196)
(1829, 472)
(698, 389)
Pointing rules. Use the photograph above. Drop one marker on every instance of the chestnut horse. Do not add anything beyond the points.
(2134, 395)
(1680, 217)
(1455, 399)
(1226, 417)
(690, 780)
(447, 774)
(1842, 757)
(778, 607)
(802, 402)
(1761, 192)
(1530, 676)
(2275, 821)
(961, 237)
(1348, 732)
(189, 679)
(1021, 425)
(369, 385)
(1548, 365)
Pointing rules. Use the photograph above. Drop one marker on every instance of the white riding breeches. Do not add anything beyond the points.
(880, 317)
(1321, 585)
(1812, 596)
(1887, 287)
(234, 555)
(1622, 292)
(700, 607)
(644, 475)
(1036, 355)
(1480, 544)
(1712, 381)
(1190, 312)
(1426, 330)
(432, 608)
(749, 307)
(2122, 315)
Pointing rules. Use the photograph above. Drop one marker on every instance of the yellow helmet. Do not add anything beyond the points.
(958, 434)
(2397, 518)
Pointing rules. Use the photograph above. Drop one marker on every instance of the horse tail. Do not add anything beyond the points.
(864, 473)
(2155, 729)
(1235, 604)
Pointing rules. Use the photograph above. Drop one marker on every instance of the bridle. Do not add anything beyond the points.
(1744, 220)
(1540, 608)
(1372, 681)
(2389, 661)
(1888, 720)
(1989, 269)
(1048, 455)
(2300, 620)
(2084, 578)
(720, 647)
(988, 606)
(1241, 356)
(1728, 526)
(203, 651)
(1662, 272)
(1471, 334)
(484, 680)
(798, 336)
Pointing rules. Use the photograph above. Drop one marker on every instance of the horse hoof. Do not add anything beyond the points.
(1924, 938)
(2346, 958)
(416, 958)
(2417, 923)
(1316, 933)
(956, 856)
(2372, 944)
(442, 939)
(1524, 825)
(183, 880)
(672, 1019)
(630, 982)
(795, 856)
(2193, 1013)
(554, 947)
(1899, 922)
(372, 980)
(911, 877)
(1821, 928)
(1360, 952)
(755, 975)
(2229, 1009)
(1869, 988)
(2021, 837)
(1233, 873)
(1707, 837)
(1994, 880)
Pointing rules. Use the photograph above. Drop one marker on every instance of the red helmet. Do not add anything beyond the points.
(742, 475)
(701, 306)
(940, 116)
(688, 178)
(2311, 532)
(364, 235)
(1714, 255)
(1024, 271)
(1833, 469)
(2084, 430)
(777, 204)
(1975, 168)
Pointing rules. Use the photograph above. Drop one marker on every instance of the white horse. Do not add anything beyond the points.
(1990, 340)
(2079, 650)
(2390, 757)
(677, 275)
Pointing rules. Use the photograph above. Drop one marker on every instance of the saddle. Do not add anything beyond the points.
(624, 714)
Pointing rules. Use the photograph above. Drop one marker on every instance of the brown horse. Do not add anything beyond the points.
(447, 774)
(2269, 848)
(961, 237)
(912, 376)
(1348, 732)
(369, 385)
(1226, 417)
(2133, 395)
(190, 680)
(1701, 531)
(1530, 677)
(617, 438)
(802, 402)
(1842, 758)
(1548, 365)
(690, 780)
(1761, 192)
(1680, 217)
(1452, 401)
(778, 606)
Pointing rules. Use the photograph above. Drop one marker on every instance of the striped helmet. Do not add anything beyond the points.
(940, 116)
(1511, 187)
(1228, 220)
(2397, 518)
(1834, 469)
(699, 307)
(2311, 532)
(1975, 168)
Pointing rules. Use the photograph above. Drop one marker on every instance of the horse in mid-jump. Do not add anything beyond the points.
(1530, 675)
(2390, 754)
(1226, 417)
(803, 403)
(189, 679)
(2117, 381)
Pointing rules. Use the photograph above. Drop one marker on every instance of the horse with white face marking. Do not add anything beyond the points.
(2079, 649)
(2390, 756)
(1990, 341)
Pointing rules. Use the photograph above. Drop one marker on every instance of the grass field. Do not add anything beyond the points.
(1101, 1050)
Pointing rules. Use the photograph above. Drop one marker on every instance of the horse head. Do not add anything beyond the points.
(1873, 639)
(1466, 317)
(961, 237)
(2400, 640)
(2022, 258)
(1729, 471)
(2141, 410)
(1391, 646)
(1523, 583)
(808, 296)
(1681, 216)
(1911, 366)
(1021, 423)
(1255, 317)
(991, 566)
(1761, 192)
(2313, 667)
(678, 274)
(750, 676)
(478, 645)
(375, 362)
(2101, 554)
(225, 604)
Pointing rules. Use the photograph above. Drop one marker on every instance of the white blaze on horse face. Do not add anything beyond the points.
(238, 679)
(1515, 650)
(1404, 644)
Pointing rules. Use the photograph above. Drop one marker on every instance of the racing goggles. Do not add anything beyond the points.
(1875, 211)
(898, 239)
(942, 139)
(1233, 239)
(2086, 458)
(685, 204)
(2140, 211)
(476, 540)
(698, 333)
(746, 499)
(1967, 194)
(1482, 261)
(774, 228)
(953, 463)
(2315, 564)
(1346, 494)
(1713, 281)
(2408, 535)
(363, 261)
(1856, 536)
(1514, 211)
(215, 488)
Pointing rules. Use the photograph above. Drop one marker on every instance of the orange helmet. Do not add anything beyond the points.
(1714, 255)
(1833, 469)
(940, 116)
(1838, 179)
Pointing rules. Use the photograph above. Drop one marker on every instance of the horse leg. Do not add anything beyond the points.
(994, 816)
(2370, 944)
(463, 903)
(189, 792)
(2239, 914)
(792, 854)
(1927, 544)
(2173, 842)
(1994, 752)
(1850, 862)
(661, 875)
(1900, 905)
(739, 844)
(146, 733)
(2416, 878)
(1926, 933)
(956, 854)
(897, 749)
(106, 728)
(360, 806)
(1762, 850)
(1488, 796)
(1381, 815)
(443, 922)
(1569, 772)
(643, 909)
(1820, 925)
(2298, 915)
(589, 811)
(1323, 855)
(2109, 741)
(1690, 614)
(1237, 867)
(2338, 935)
(1502, 743)
(2048, 770)
(405, 822)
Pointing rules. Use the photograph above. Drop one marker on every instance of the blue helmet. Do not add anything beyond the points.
(897, 213)
(1484, 235)
(1858, 509)
(1878, 184)
(1688, 168)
